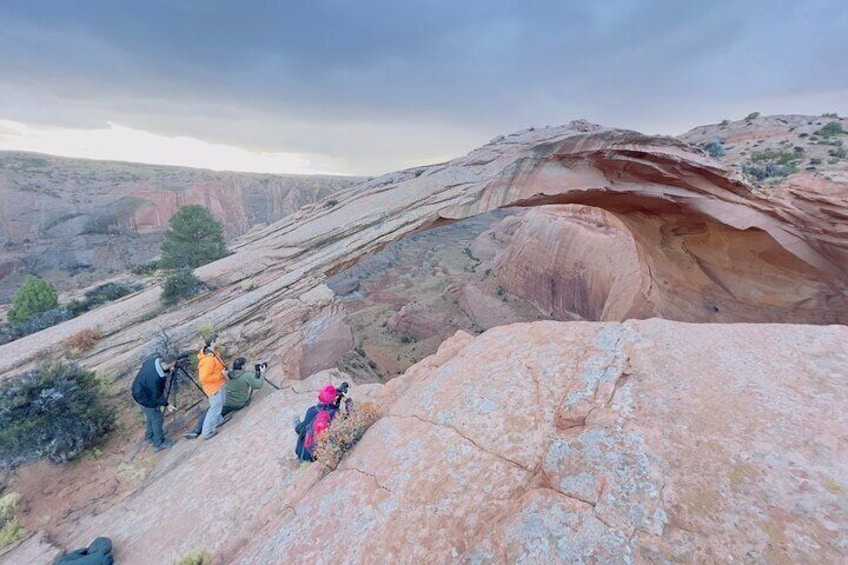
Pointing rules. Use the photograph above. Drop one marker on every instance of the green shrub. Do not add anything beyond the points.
(837, 152)
(57, 411)
(715, 148)
(145, 268)
(109, 292)
(772, 164)
(182, 284)
(34, 297)
(101, 295)
(194, 239)
(752, 116)
(344, 432)
(42, 321)
(831, 129)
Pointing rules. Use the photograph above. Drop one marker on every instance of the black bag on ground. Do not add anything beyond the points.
(99, 552)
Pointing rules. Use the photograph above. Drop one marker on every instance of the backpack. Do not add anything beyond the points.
(317, 420)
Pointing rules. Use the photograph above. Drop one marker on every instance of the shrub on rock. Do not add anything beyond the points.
(182, 284)
(344, 432)
(57, 411)
(35, 297)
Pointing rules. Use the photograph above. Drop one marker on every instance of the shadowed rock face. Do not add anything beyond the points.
(74, 221)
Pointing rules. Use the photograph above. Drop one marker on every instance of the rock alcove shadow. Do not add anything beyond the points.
(565, 262)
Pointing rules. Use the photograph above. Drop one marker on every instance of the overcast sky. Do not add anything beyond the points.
(368, 87)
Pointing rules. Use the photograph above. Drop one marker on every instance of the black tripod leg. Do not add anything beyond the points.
(197, 386)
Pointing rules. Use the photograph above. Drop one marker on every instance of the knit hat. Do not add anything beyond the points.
(327, 394)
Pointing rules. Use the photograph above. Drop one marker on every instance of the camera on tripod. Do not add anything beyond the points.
(341, 392)
(182, 361)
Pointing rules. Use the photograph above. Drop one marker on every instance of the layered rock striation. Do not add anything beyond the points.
(704, 246)
(643, 441)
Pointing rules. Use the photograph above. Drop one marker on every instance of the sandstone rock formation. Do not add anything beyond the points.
(86, 219)
(708, 248)
(646, 441)
(641, 441)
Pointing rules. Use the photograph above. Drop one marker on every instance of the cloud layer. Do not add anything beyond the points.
(375, 86)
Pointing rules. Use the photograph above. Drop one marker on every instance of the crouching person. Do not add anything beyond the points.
(212, 373)
(315, 421)
(237, 392)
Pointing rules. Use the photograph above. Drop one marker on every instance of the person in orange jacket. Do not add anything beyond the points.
(213, 374)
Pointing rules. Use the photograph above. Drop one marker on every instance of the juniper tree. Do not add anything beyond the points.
(194, 239)
(35, 296)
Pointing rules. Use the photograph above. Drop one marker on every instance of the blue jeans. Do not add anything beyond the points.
(213, 417)
(198, 427)
(155, 434)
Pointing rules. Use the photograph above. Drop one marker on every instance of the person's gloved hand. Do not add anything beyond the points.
(171, 408)
(295, 421)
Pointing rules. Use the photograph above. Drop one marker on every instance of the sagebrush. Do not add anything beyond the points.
(57, 411)
(344, 431)
(101, 295)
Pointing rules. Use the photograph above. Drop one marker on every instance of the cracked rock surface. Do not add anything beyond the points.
(636, 442)
(742, 458)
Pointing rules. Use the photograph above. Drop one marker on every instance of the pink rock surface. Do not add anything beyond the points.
(625, 442)
(566, 442)
(641, 441)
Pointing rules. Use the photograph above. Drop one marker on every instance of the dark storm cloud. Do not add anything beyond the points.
(315, 76)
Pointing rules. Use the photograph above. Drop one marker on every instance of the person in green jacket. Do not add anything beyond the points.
(238, 391)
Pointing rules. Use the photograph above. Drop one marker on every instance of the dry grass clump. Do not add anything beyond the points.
(343, 433)
(81, 341)
(195, 558)
(10, 528)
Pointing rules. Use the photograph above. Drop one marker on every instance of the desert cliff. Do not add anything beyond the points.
(75, 221)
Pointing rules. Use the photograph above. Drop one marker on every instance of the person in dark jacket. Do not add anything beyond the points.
(148, 390)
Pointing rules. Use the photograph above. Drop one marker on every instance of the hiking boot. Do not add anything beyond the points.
(225, 419)
(211, 435)
(191, 435)
(164, 445)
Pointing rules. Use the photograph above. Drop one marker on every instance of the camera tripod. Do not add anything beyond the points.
(173, 384)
